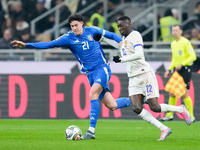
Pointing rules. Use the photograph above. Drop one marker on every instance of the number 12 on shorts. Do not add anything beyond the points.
(149, 89)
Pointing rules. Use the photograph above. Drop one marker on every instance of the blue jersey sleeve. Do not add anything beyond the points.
(107, 34)
(59, 42)
(113, 36)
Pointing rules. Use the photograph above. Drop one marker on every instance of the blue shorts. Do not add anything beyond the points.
(102, 76)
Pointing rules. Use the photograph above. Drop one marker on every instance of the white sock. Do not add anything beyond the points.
(147, 116)
(170, 108)
(92, 129)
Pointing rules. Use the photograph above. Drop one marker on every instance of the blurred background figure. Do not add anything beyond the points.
(113, 26)
(5, 43)
(144, 24)
(113, 4)
(16, 11)
(97, 19)
(187, 34)
(43, 24)
(166, 24)
(64, 14)
(83, 4)
(195, 36)
(6, 39)
(26, 37)
(21, 24)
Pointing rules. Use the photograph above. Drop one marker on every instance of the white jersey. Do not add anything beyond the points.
(134, 67)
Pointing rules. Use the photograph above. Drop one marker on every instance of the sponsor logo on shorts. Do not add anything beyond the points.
(99, 80)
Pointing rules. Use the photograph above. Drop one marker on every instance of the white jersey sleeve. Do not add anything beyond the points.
(133, 54)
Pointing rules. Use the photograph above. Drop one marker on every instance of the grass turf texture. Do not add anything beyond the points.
(110, 135)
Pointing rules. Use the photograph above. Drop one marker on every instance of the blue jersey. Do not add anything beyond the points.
(86, 50)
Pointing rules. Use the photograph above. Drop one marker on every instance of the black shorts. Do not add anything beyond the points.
(186, 73)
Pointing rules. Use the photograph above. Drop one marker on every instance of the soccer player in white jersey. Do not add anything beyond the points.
(142, 80)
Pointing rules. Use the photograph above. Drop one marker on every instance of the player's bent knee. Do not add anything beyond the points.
(155, 109)
(137, 110)
(112, 108)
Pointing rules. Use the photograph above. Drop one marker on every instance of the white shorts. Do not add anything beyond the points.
(145, 84)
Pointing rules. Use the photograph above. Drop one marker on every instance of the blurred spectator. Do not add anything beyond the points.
(26, 37)
(144, 24)
(8, 23)
(166, 24)
(187, 34)
(6, 39)
(86, 20)
(64, 12)
(195, 36)
(17, 11)
(113, 27)
(197, 9)
(195, 21)
(113, 4)
(1, 18)
(21, 24)
(29, 7)
(97, 19)
(5, 43)
(175, 13)
(42, 24)
(83, 4)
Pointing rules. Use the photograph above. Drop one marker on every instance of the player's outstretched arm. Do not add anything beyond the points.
(19, 44)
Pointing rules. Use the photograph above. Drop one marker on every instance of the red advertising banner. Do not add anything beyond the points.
(45, 95)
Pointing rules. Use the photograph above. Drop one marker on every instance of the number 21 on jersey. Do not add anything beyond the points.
(85, 45)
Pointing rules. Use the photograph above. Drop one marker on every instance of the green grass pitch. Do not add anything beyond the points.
(115, 134)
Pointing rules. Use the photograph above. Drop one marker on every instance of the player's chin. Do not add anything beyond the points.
(121, 33)
(77, 33)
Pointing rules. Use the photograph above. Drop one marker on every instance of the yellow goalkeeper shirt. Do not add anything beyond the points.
(182, 53)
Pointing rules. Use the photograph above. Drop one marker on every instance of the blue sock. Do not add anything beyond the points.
(94, 112)
(123, 102)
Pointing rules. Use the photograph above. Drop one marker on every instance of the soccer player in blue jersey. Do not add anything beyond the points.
(80, 41)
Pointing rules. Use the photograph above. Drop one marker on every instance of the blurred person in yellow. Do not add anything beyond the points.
(183, 55)
(97, 19)
(166, 24)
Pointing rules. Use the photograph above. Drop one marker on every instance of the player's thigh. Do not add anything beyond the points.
(95, 91)
(109, 101)
(154, 105)
(137, 103)
(145, 84)
(151, 85)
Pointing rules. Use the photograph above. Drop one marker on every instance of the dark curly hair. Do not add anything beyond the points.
(75, 17)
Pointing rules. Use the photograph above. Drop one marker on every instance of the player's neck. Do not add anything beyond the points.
(128, 32)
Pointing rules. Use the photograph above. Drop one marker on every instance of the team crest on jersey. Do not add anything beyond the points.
(90, 37)
(125, 43)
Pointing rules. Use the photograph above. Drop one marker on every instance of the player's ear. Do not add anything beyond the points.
(82, 23)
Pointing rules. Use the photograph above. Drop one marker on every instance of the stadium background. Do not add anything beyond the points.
(38, 84)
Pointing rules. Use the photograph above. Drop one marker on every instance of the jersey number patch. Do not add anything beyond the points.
(149, 89)
(85, 45)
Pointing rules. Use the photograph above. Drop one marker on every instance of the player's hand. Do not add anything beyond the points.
(120, 44)
(167, 74)
(116, 59)
(18, 44)
(179, 67)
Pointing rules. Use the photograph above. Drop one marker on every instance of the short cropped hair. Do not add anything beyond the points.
(123, 18)
(178, 26)
(75, 17)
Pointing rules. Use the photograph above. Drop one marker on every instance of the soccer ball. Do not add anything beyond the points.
(73, 133)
